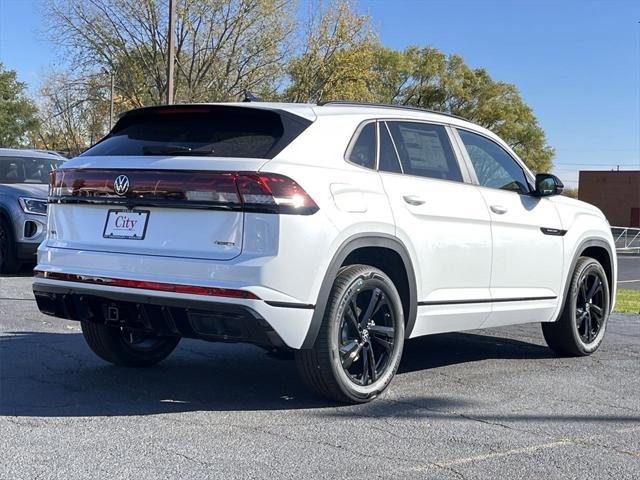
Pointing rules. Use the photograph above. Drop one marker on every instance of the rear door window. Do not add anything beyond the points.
(209, 130)
(424, 150)
(388, 157)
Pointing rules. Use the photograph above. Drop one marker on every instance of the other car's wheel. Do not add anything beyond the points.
(359, 346)
(580, 329)
(8, 256)
(125, 347)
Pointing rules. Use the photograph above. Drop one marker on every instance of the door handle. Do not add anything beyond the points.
(413, 200)
(499, 209)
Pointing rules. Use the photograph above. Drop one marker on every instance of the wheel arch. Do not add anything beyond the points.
(599, 250)
(368, 249)
(5, 215)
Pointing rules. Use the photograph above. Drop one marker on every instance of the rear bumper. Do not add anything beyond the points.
(213, 319)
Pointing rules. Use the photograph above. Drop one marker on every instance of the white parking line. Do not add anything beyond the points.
(628, 281)
(513, 451)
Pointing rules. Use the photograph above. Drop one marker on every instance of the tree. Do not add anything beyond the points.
(570, 192)
(342, 60)
(17, 111)
(427, 78)
(227, 47)
(74, 113)
(223, 47)
(336, 57)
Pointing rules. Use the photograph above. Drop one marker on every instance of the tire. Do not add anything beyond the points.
(338, 366)
(580, 329)
(115, 345)
(8, 256)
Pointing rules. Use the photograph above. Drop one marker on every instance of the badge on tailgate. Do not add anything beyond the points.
(126, 224)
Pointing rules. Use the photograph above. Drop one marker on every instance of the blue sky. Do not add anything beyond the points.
(576, 62)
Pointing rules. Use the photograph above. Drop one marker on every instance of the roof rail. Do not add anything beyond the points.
(388, 105)
(50, 152)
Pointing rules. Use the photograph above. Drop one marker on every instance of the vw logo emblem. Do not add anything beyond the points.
(121, 184)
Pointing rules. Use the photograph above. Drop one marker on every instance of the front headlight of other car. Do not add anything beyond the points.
(36, 206)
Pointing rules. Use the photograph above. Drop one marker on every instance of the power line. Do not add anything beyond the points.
(591, 149)
(615, 164)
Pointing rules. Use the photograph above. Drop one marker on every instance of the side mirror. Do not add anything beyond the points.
(548, 184)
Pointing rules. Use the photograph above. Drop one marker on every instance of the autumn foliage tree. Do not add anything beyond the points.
(335, 57)
(223, 47)
(227, 47)
(74, 113)
(427, 78)
(342, 60)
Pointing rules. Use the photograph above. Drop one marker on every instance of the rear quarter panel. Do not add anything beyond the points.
(351, 198)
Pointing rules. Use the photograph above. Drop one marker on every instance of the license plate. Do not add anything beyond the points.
(126, 224)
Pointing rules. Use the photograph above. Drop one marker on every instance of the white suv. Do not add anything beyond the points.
(335, 230)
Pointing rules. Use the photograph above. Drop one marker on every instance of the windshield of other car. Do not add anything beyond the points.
(26, 169)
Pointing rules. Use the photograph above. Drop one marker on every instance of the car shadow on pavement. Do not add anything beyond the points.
(433, 351)
(25, 271)
(55, 374)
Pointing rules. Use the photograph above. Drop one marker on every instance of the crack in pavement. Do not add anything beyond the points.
(541, 434)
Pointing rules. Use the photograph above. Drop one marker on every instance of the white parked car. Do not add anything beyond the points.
(335, 230)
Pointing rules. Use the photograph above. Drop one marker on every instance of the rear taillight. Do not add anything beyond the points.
(246, 191)
(274, 190)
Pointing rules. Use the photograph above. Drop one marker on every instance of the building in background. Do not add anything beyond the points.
(616, 193)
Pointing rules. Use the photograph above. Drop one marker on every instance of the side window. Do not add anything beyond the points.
(388, 158)
(363, 150)
(425, 150)
(494, 167)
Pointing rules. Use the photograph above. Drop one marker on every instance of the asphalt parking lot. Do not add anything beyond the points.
(629, 272)
(482, 405)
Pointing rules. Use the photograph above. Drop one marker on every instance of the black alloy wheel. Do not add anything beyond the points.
(366, 335)
(126, 347)
(359, 345)
(590, 303)
(580, 328)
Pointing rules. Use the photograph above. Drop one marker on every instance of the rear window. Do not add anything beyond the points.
(218, 131)
(424, 150)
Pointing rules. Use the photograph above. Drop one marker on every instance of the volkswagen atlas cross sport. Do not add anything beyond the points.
(337, 231)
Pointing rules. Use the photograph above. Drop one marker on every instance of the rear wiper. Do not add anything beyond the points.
(175, 150)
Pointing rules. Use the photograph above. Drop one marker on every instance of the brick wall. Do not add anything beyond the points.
(616, 193)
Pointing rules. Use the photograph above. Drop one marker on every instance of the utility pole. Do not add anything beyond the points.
(170, 56)
(111, 101)
(109, 71)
